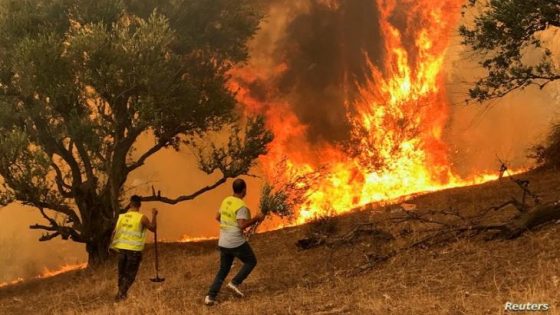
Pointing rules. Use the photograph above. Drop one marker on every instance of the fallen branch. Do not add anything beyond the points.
(539, 215)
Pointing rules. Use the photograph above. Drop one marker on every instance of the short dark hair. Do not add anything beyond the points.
(135, 201)
(239, 186)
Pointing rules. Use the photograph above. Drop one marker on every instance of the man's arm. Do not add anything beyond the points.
(112, 240)
(113, 235)
(245, 223)
(152, 226)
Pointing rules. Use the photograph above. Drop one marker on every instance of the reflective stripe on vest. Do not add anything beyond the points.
(130, 234)
(228, 212)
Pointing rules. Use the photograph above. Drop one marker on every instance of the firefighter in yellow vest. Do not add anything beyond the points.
(128, 240)
(234, 218)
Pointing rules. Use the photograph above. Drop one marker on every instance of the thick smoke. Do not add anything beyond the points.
(324, 50)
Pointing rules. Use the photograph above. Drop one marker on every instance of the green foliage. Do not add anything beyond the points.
(503, 32)
(81, 80)
(207, 23)
(288, 191)
(275, 201)
(240, 152)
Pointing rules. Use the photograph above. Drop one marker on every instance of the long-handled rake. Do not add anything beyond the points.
(157, 278)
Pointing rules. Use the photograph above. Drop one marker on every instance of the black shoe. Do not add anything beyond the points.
(120, 297)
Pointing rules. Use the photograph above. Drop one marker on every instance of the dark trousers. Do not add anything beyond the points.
(129, 262)
(245, 254)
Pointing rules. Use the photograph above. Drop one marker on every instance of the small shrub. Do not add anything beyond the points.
(324, 224)
(548, 153)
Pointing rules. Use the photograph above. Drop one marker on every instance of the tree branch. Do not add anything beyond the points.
(48, 237)
(72, 216)
(164, 140)
(172, 201)
(118, 170)
(64, 231)
(64, 189)
(42, 227)
(499, 92)
(52, 146)
(51, 220)
(86, 160)
(161, 144)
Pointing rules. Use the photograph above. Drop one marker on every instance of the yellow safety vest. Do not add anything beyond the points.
(228, 212)
(130, 234)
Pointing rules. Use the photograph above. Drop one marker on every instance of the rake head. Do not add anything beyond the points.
(157, 279)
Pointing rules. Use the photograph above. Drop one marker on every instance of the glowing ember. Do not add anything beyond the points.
(397, 122)
(47, 273)
(51, 273)
(190, 239)
(16, 281)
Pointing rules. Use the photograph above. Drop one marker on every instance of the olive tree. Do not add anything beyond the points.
(81, 81)
(504, 33)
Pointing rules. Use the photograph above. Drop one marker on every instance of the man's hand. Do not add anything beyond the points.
(243, 224)
(260, 217)
(152, 226)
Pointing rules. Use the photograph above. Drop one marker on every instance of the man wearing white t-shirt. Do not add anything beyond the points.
(234, 218)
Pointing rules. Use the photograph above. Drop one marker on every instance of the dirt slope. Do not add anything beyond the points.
(472, 276)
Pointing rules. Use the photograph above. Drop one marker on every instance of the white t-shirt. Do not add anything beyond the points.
(233, 237)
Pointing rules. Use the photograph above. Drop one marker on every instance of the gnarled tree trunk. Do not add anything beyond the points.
(100, 219)
(98, 248)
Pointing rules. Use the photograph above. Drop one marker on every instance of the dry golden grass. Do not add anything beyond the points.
(470, 276)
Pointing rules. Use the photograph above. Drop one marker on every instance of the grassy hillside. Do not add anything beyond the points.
(467, 276)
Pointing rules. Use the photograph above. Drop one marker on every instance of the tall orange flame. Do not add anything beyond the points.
(397, 122)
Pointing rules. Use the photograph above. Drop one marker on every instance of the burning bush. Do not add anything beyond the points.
(286, 194)
(288, 191)
(275, 201)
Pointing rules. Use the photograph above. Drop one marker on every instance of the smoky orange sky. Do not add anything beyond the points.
(476, 134)
(506, 128)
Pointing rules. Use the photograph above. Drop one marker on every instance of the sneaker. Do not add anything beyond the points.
(235, 289)
(208, 300)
